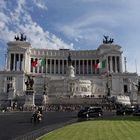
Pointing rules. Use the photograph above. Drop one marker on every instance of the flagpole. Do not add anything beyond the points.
(125, 64)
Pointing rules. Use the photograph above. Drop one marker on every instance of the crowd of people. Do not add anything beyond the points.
(60, 107)
(105, 103)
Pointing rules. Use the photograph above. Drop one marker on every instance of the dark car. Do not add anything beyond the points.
(136, 112)
(125, 111)
(120, 111)
(90, 112)
(130, 110)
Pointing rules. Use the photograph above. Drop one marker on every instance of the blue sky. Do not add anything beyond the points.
(74, 24)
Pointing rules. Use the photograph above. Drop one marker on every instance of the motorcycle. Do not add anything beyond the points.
(36, 118)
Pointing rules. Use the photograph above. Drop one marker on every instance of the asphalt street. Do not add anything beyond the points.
(14, 125)
(17, 125)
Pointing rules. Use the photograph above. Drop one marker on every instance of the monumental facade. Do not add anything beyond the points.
(66, 75)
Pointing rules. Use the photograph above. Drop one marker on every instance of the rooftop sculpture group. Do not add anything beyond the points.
(107, 40)
(22, 37)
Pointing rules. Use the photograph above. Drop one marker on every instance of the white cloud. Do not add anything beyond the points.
(22, 21)
(88, 0)
(89, 27)
(3, 21)
(2, 4)
(5, 33)
(132, 57)
(41, 4)
(101, 20)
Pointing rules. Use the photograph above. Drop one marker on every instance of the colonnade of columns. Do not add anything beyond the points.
(15, 62)
(59, 66)
(114, 64)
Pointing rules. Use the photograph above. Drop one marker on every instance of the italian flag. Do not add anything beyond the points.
(38, 62)
(101, 65)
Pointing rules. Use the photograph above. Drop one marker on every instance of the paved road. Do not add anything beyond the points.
(16, 124)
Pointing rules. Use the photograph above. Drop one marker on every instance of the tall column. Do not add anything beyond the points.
(18, 62)
(58, 66)
(67, 63)
(108, 63)
(116, 64)
(5, 85)
(62, 66)
(46, 64)
(28, 62)
(54, 66)
(95, 65)
(79, 67)
(107, 70)
(50, 66)
(91, 66)
(38, 67)
(21, 65)
(8, 61)
(120, 63)
(75, 66)
(83, 67)
(19, 56)
(5, 67)
(14, 61)
(87, 67)
(24, 63)
(33, 67)
(42, 68)
(111, 70)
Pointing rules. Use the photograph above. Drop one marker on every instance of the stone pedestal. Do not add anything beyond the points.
(70, 71)
(11, 94)
(29, 98)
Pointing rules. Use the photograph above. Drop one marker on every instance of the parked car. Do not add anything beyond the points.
(90, 112)
(130, 110)
(120, 111)
(136, 112)
(125, 111)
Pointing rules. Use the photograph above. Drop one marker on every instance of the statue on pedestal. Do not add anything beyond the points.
(29, 93)
(29, 83)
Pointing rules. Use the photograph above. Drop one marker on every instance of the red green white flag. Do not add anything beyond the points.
(101, 65)
(38, 62)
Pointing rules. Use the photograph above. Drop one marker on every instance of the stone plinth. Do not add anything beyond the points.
(29, 98)
(11, 94)
(70, 71)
